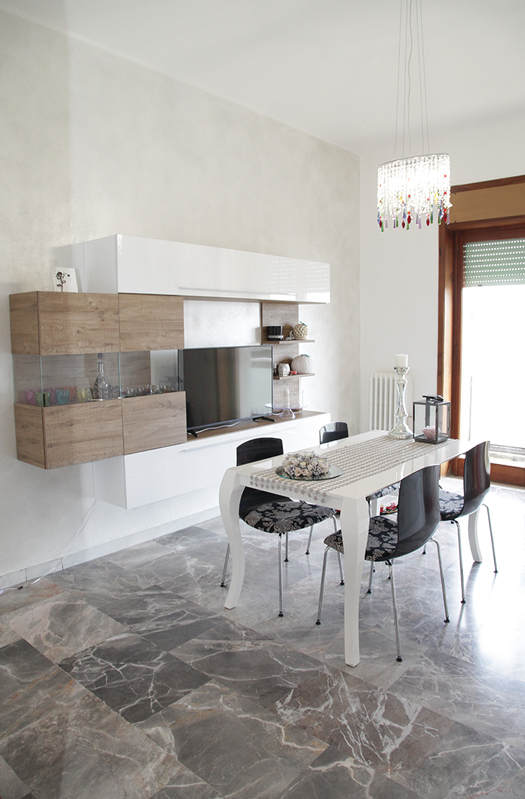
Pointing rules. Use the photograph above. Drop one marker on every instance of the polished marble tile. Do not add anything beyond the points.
(10, 785)
(251, 663)
(232, 742)
(160, 616)
(83, 750)
(132, 676)
(60, 626)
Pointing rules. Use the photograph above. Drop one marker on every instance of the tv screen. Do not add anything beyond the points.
(226, 384)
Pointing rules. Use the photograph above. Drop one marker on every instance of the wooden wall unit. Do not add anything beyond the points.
(287, 315)
(151, 322)
(66, 331)
(54, 323)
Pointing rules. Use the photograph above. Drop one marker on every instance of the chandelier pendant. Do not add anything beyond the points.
(412, 189)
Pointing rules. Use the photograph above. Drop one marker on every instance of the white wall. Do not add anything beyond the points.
(94, 145)
(399, 268)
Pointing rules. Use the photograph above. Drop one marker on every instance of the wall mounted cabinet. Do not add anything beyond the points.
(131, 264)
(61, 342)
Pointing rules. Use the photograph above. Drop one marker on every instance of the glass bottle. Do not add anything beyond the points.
(100, 387)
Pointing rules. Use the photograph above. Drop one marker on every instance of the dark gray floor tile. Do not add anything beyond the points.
(83, 750)
(251, 664)
(133, 676)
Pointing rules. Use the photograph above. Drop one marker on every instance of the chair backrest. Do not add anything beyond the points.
(418, 512)
(333, 432)
(257, 449)
(476, 477)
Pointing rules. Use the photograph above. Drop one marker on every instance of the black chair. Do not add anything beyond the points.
(273, 513)
(418, 517)
(476, 485)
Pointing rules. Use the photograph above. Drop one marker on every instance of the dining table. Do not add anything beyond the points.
(364, 464)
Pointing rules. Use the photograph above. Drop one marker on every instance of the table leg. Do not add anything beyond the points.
(473, 536)
(354, 527)
(229, 498)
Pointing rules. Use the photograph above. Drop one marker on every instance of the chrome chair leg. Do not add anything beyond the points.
(491, 539)
(369, 591)
(340, 568)
(286, 548)
(321, 590)
(447, 618)
(463, 600)
(309, 540)
(223, 581)
(280, 554)
(396, 623)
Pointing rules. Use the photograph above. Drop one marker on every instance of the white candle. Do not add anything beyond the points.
(401, 361)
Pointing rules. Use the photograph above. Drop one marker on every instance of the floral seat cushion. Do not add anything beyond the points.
(383, 492)
(450, 505)
(382, 539)
(283, 517)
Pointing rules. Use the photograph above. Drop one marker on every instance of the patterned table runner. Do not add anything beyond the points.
(357, 462)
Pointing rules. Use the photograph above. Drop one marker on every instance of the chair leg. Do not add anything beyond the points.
(491, 539)
(463, 600)
(223, 581)
(447, 618)
(280, 553)
(396, 624)
(341, 568)
(370, 578)
(321, 590)
(309, 540)
(286, 548)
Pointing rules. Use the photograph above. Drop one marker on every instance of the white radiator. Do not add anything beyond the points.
(383, 400)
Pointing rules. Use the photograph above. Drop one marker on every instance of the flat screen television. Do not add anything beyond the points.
(224, 385)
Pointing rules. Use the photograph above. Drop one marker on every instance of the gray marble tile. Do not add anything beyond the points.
(10, 785)
(30, 686)
(28, 594)
(98, 581)
(337, 776)
(83, 750)
(60, 626)
(465, 763)
(467, 693)
(232, 743)
(132, 676)
(247, 661)
(162, 617)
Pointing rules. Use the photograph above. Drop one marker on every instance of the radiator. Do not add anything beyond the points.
(383, 400)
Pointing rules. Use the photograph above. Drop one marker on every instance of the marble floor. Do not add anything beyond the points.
(126, 677)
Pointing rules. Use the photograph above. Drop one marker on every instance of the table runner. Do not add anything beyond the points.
(357, 462)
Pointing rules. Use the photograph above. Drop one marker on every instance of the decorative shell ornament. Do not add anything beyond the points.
(300, 331)
(302, 364)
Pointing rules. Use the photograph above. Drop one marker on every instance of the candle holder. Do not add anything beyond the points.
(400, 429)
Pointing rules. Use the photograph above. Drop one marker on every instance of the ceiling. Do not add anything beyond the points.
(327, 67)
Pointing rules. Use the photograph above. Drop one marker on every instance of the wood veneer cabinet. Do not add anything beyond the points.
(56, 339)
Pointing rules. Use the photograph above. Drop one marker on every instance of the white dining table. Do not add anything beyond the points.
(368, 462)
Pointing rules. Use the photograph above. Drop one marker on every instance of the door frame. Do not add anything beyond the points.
(475, 206)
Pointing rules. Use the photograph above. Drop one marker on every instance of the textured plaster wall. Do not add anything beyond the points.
(94, 145)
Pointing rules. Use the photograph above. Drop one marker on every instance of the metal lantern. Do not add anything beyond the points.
(431, 419)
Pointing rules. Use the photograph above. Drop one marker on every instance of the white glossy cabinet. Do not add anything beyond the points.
(134, 265)
(131, 481)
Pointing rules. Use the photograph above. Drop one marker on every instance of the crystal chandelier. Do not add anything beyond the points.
(417, 188)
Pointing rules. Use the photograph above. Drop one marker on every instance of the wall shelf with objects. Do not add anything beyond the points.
(284, 317)
(95, 375)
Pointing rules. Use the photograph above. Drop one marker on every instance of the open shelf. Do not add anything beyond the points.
(290, 377)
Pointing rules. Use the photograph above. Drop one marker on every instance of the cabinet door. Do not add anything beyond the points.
(82, 433)
(158, 420)
(151, 322)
